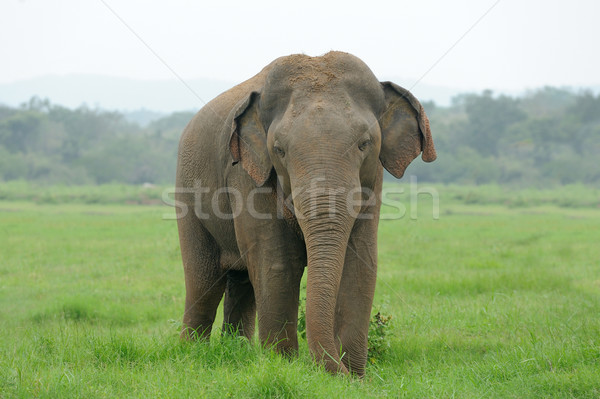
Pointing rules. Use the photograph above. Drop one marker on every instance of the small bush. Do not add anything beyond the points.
(379, 331)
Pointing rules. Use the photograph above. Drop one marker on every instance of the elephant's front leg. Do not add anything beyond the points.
(355, 297)
(275, 258)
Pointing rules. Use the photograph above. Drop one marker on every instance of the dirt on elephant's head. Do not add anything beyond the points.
(298, 82)
(314, 74)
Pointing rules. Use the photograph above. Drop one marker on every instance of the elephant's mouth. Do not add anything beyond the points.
(289, 215)
(286, 210)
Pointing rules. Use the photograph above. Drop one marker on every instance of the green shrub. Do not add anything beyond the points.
(379, 332)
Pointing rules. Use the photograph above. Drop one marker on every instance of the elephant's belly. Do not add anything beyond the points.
(232, 261)
(224, 235)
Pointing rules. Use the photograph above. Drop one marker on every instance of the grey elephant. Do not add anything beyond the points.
(284, 172)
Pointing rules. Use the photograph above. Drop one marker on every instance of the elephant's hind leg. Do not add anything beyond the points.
(239, 311)
(204, 278)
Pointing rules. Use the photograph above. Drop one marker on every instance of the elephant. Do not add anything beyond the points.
(282, 173)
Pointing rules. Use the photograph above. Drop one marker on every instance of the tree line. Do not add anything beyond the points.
(548, 136)
(48, 143)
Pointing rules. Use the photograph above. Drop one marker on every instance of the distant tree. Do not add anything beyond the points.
(171, 125)
(37, 104)
(547, 136)
(429, 107)
(19, 132)
(488, 119)
(586, 108)
(547, 102)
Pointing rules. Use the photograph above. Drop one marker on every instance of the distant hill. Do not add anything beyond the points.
(144, 101)
(138, 99)
(113, 93)
(143, 116)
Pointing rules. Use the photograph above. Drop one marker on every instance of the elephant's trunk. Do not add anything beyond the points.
(326, 222)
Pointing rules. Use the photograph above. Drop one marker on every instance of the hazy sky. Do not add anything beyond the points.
(516, 45)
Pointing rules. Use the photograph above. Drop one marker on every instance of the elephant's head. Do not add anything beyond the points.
(325, 124)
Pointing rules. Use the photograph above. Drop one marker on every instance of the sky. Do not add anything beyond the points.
(506, 45)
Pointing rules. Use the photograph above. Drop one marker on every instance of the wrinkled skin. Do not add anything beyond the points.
(300, 130)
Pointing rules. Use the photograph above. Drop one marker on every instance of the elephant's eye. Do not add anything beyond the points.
(364, 144)
(279, 151)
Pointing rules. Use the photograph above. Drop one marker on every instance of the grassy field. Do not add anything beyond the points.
(499, 297)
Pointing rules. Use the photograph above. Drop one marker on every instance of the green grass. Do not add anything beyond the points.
(493, 299)
(101, 194)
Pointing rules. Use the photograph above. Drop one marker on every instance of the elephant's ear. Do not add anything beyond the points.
(404, 129)
(248, 142)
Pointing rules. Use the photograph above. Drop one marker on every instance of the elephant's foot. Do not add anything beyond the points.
(196, 330)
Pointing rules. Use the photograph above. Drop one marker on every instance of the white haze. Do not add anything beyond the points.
(436, 47)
